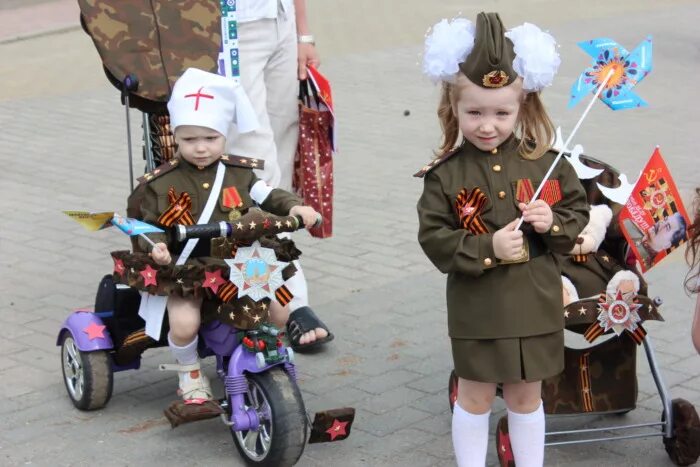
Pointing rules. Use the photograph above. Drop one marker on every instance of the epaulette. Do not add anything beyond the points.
(434, 163)
(247, 162)
(158, 171)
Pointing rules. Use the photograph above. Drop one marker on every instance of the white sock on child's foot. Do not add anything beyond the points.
(470, 437)
(526, 432)
(187, 354)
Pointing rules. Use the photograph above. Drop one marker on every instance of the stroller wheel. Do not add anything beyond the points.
(505, 452)
(87, 375)
(452, 390)
(684, 447)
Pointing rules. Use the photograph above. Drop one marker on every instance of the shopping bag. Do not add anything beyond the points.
(313, 162)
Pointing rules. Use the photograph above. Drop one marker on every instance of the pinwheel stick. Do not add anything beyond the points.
(568, 140)
(148, 240)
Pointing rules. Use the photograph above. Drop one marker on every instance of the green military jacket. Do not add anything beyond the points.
(152, 199)
(467, 196)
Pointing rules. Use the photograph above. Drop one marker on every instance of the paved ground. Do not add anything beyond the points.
(63, 136)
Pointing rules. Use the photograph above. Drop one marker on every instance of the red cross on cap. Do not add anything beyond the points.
(197, 96)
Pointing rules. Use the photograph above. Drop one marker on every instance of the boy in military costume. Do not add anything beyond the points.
(204, 185)
(504, 298)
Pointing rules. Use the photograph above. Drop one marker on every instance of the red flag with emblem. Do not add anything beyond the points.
(654, 220)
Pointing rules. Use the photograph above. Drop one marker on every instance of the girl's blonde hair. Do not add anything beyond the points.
(534, 127)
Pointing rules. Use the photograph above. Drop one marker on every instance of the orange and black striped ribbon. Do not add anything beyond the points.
(585, 380)
(178, 211)
(227, 292)
(476, 200)
(135, 337)
(638, 334)
(283, 295)
(593, 332)
(579, 258)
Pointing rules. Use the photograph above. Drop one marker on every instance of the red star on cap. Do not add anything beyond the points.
(149, 276)
(94, 330)
(118, 266)
(338, 429)
(213, 280)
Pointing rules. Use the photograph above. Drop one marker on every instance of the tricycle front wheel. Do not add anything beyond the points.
(281, 436)
(87, 375)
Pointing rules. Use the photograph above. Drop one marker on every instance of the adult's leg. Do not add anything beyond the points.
(525, 422)
(470, 422)
(257, 42)
(282, 90)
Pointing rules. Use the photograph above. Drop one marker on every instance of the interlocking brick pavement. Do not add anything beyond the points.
(64, 147)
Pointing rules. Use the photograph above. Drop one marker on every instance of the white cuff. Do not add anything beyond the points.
(260, 191)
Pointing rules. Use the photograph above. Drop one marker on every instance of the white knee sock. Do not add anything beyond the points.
(527, 437)
(470, 437)
(187, 354)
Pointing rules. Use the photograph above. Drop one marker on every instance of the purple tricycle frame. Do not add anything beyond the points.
(233, 361)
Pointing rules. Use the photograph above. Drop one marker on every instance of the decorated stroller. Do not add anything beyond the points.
(145, 46)
(601, 376)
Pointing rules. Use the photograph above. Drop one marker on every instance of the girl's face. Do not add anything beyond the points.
(487, 117)
(199, 145)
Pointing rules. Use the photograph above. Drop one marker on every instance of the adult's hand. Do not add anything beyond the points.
(307, 55)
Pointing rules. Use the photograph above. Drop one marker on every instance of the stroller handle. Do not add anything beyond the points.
(243, 229)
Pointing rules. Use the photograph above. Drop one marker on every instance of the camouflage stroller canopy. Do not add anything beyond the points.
(155, 40)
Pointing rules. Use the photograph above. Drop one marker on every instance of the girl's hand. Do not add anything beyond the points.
(538, 214)
(160, 254)
(307, 213)
(508, 242)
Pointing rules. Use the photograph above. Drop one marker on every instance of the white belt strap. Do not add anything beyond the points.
(206, 213)
(152, 307)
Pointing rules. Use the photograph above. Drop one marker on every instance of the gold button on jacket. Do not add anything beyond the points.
(496, 168)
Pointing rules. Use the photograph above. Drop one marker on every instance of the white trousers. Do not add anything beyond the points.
(268, 63)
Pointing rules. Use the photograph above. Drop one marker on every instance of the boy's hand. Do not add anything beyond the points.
(508, 242)
(538, 214)
(160, 254)
(307, 213)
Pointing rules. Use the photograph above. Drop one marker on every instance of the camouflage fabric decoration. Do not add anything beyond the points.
(602, 378)
(156, 40)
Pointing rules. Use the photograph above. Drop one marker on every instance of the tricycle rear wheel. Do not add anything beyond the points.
(87, 375)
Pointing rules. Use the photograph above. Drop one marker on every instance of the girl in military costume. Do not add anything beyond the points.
(504, 297)
(202, 182)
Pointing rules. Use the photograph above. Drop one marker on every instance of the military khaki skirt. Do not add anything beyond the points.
(533, 358)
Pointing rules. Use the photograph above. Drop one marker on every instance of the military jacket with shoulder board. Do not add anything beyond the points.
(183, 177)
(469, 195)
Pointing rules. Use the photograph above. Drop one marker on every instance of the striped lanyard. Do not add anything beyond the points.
(229, 60)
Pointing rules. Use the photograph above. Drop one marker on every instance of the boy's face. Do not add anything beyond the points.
(487, 117)
(199, 145)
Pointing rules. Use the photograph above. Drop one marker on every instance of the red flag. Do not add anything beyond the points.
(654, 220)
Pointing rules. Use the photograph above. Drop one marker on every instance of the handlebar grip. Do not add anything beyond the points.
(185, 232)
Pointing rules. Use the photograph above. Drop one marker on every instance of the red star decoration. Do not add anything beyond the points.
(149, 276)
(213, 280)
(94, 330)
(118, 266)
(266, 223)
(338, 429)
